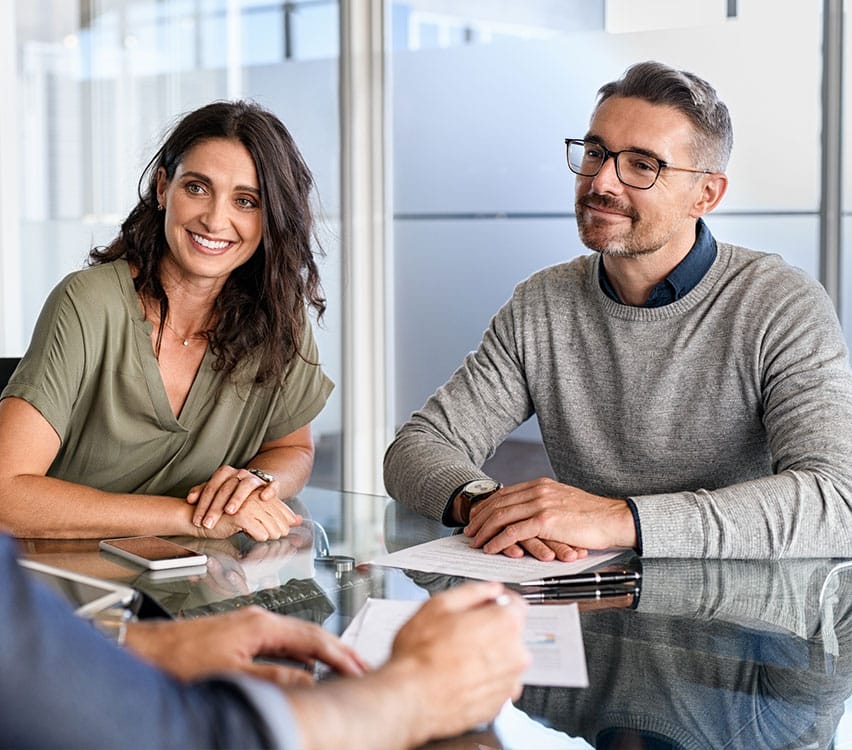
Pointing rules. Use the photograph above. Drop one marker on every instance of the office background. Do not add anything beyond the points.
(435, 131)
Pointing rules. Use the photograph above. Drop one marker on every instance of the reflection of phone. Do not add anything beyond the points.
(173, 574)
(152, 552)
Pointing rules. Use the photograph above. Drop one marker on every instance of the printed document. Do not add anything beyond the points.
(552, 634)
(453, 555)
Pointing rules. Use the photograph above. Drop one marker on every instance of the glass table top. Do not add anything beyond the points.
(714, 654)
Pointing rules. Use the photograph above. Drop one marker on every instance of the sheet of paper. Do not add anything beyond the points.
(552, 634)
(453, 555)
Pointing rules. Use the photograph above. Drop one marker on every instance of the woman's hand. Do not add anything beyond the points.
(262, 520)
(289, 459)
(226, 492)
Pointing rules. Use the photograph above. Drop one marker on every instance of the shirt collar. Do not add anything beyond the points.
(683, 278)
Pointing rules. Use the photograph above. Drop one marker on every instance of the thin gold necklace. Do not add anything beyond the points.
(185, 339)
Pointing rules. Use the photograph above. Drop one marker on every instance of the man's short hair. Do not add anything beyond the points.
(657, 83)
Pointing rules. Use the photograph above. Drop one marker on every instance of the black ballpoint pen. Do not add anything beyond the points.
(586, 579)
(569, 593)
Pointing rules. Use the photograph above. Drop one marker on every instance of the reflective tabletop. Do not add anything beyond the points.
(713, 654)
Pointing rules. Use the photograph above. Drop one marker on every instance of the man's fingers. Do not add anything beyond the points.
(538, 549)
(565, 552)
(307, 642)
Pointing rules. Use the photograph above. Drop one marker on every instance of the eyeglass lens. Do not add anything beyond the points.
(637, 170)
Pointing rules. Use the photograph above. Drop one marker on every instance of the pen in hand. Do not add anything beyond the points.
(586, 579)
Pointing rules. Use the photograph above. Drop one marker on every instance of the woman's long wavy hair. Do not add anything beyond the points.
(260, 311)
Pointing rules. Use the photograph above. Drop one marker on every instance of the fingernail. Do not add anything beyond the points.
(209, 523)
(196, 522)
(230, 509)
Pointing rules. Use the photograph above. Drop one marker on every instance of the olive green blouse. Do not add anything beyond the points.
(91, 372)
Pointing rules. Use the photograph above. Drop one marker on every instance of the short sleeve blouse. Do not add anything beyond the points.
(91, 372)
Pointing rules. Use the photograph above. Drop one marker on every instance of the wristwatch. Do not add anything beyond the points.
(263, 475)
(474, 492)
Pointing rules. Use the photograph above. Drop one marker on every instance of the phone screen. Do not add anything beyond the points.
(153, 548)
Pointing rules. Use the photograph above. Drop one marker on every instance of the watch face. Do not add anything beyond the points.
(481, 486)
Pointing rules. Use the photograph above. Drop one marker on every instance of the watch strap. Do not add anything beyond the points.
(261, 474)
(466, 501)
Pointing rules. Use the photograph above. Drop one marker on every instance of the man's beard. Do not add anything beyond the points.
(623, 246)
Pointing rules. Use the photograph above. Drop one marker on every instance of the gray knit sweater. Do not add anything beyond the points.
(726, 415)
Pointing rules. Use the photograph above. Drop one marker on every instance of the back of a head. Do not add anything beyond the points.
(657, 83)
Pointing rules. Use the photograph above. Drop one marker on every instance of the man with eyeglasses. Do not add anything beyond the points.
(694, 397)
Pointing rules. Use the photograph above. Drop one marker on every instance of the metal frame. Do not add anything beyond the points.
(365, 228)
(831, 171)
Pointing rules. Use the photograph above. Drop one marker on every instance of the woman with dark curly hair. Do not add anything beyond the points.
(169, 387)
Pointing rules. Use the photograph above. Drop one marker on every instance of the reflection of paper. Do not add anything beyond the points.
(552, 635)
(555, 640)
(518, 731)
(453, 555)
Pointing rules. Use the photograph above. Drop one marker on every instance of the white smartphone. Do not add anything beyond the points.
(153, 552)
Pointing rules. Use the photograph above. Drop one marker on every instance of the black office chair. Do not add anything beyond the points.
(7, 367)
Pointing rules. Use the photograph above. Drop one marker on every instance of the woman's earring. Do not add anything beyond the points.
(161, 207)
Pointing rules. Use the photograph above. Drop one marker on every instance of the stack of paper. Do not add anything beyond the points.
(453, 555)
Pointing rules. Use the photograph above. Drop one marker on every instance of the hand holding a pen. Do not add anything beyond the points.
(549, 520)
(465, 652)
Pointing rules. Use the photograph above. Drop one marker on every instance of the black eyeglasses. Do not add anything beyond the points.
(634, 169)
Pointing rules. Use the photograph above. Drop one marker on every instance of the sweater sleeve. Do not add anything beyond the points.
(444, 444)
(804, 508)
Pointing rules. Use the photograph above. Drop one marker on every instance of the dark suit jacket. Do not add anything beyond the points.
(63, 684)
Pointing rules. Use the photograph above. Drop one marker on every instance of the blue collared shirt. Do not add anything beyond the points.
(684, 276)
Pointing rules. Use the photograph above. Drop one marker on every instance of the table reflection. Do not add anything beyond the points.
(735, 654)
(726, 654)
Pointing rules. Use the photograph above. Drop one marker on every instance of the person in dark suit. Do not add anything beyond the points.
(63, 684)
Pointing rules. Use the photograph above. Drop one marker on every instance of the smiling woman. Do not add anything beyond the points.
(169, 388)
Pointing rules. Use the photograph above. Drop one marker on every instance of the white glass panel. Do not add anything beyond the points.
(439, 323)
